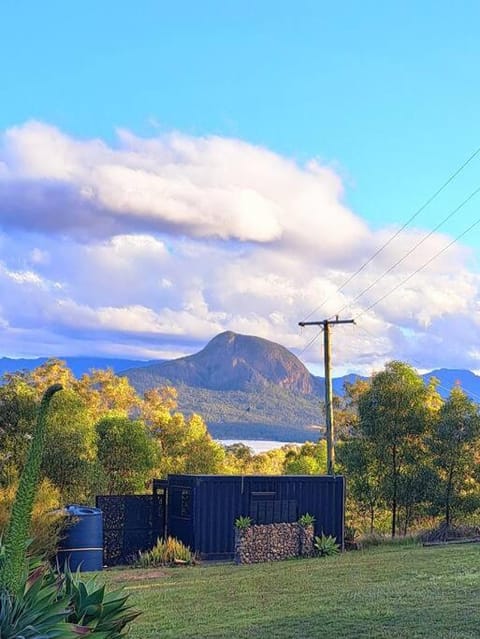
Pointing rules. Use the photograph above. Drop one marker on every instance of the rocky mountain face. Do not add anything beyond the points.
(232, 362)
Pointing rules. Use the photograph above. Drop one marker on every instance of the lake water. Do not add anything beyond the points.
(257, 445)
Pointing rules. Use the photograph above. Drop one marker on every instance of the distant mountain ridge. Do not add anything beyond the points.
(245, 387)
(231, 361)
(78, 365)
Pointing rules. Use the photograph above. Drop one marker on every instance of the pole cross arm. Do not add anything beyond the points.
(324, 322)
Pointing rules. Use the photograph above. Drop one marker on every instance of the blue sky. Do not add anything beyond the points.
(384, 95)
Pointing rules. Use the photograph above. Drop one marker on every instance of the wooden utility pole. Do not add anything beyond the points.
(325, 324)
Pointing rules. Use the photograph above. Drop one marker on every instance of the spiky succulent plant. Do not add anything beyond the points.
(16, 538)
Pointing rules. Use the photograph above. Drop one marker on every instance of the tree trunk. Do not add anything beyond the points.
(408, 512)
(448, 496)
(372, 518)
(394, 496)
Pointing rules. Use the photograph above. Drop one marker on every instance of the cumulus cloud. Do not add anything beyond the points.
(198, 187)
(152, 246)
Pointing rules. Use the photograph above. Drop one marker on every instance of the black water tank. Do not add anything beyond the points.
(82, 545)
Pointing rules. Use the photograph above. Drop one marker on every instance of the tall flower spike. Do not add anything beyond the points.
(16, 537)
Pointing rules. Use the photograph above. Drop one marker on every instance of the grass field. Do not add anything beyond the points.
(401, 592)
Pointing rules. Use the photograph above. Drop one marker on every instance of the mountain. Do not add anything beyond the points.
(449, 377)
(249, 387)
(232, 362)
(78, 365)
(244, 386)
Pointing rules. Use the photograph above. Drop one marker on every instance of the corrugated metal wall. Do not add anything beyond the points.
(202, 508)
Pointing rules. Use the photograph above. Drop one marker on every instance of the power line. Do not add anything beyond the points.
(410, 251)
(429, 261)
(415, 361)
(314, 339)
(402, 228)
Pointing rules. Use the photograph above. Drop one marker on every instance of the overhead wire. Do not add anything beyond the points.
(402, 228)
(420, 268)
(415, 361)
(314, 339)
(411, 250)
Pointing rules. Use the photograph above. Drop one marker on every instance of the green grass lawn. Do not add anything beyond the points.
(401, 592)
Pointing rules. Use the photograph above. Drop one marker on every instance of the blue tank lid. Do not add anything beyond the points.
(76, 510)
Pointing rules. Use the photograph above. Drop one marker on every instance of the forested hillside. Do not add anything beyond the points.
(267, 413)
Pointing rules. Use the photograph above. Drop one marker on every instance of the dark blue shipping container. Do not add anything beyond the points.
(202, 508)
(82, 545)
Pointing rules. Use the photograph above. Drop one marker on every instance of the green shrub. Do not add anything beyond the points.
(306, 520)
(242, 523)
(326, 545)
(168, 552)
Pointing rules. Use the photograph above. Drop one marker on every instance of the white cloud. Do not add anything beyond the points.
(202, 187)
(156, 245)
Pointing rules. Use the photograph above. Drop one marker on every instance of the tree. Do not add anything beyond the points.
(308, 459)
(356, 459)
(104, 392)
(394, 415)
(126, 452)
(70, 454)
(345, 408)
(455, 447)
(18, 411)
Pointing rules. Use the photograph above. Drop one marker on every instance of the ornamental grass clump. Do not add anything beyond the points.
(166, 552)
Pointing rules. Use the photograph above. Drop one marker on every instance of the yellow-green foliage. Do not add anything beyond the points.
(166, 552)
(47, 521)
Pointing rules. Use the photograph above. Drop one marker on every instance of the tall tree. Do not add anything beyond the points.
(53, 371)
(345, 408)
(105, 392)
(69, 460)
(357, 459)
(455, 448)
(394, 415)
(18, 410)
(126, 452)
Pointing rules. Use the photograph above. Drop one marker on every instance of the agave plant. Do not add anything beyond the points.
(94, 611)
(36, 613)
(326, 545)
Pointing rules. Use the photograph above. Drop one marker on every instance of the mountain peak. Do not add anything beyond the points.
(232, 361)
